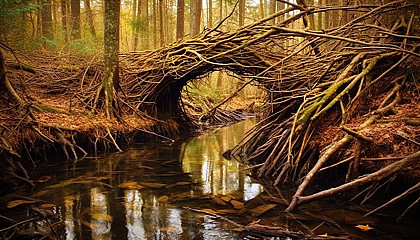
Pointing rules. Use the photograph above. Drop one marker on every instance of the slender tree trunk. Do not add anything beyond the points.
(195, 17)
(210, 13)
(64, 14)
(134, 37)
(241, 12)
(161, 32)
(75, 20)
(47, 24)
(90, 18)
(110, 81)
(155, 29)
(262, 12)
(180, 20)
(144, 16)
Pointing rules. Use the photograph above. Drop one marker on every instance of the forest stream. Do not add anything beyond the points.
(187, 190)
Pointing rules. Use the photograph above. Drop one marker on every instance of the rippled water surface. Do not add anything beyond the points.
(157, 190)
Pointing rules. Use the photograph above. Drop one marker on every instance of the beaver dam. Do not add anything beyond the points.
(334, 151)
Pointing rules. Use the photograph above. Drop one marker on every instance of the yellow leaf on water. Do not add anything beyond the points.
(261, 209)
(237, 205)
(364, 227)
(47, 205)
(40, 193)
(43, 179)
(16, 203)
(163, 198)
(130, 185)
(226, 198)
(226, 211)
(208, 210)
(218, 201)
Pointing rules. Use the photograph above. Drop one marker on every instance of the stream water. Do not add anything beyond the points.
(157, 190)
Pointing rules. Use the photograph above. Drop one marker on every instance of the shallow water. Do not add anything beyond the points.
(157, 190)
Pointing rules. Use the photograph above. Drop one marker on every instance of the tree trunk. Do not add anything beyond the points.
(75, 20)
(64, 14)
(110, 81)
(90, 18)
(161, 26)
(155, 29)
(241, 12)
(262, 12)
(134, 36)
(47, 24)
(195, 17)
(143, 12)
(273, 10)
(210, 13)
(180, 19)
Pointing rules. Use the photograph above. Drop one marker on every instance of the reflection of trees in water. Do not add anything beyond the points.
(202, 158)
(100, 212)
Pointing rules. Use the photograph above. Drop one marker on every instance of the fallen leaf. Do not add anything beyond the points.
(102, 217)
(226, 211)
(47, 205)
(43, 179)
(130, 185)
(16, 203)
(40, 193)
(226, 198)
(218, 201)
(242, 212)
(237, 205)
(208, 210)
(163, 198)
(262, 209)
(364, 227)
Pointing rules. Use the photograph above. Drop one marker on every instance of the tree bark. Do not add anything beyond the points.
(64, 14)
(241, 12)
(210, 13)
(155, 29)
(161, 25)
(47, 21)
(111, 49)
(75, 20)
(195, 17)
(90, 18)
(273, 10)
(143, 15)
(134, 36)
(180, 19)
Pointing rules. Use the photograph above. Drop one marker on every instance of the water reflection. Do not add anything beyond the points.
(219, 176)
(141, 194)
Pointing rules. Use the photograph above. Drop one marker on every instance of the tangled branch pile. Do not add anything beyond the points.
(315, 79)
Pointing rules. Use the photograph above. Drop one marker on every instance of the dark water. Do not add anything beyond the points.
(152, 191)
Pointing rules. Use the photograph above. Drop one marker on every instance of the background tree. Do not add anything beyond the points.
(64, 19)
(195, 17)
(90, 18)
(180, 19)
(111, 49)
(75, 20)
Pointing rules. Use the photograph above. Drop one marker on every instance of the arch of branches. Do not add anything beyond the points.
(315, 79)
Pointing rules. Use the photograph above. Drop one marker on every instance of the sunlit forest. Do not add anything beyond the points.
(209, 119)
